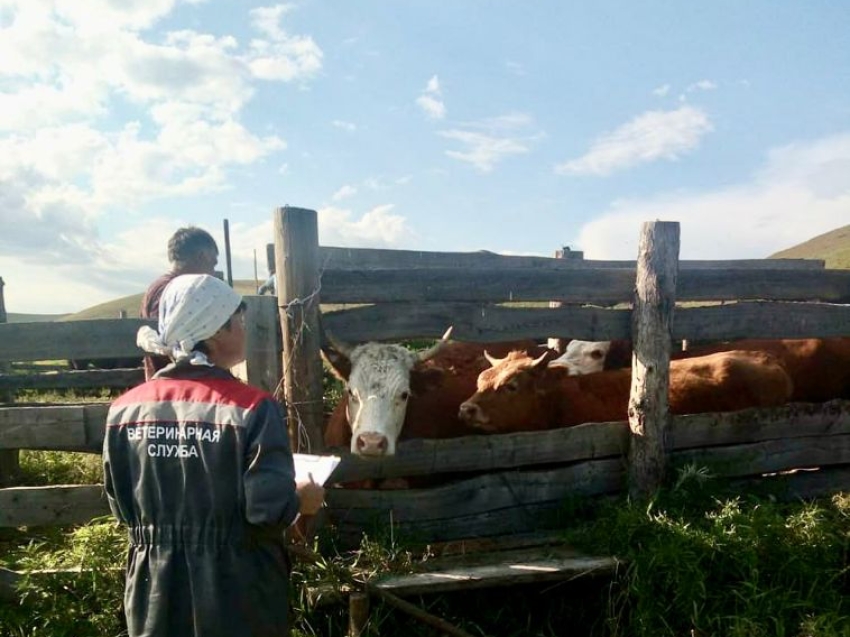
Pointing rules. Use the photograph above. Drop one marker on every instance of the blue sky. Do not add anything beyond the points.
(515, 126)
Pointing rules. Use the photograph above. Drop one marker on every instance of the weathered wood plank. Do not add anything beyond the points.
(729, 284)
(483, 493)
(115, 338)
(504, 569)
(593, 441)
(600, 286)
(54, 427)
(472, 322)
(798, 484)
(334, 258)
(796, 420)
(480, 322)
(597, 286)
(83, 379)
(769, 456)
(51, 506)
(475, 322)
(262, 366)
(486, 453)
(761, 319)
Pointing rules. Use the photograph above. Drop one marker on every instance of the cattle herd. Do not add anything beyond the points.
(458, 389)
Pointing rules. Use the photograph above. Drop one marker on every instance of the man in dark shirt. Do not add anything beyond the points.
(191, 250)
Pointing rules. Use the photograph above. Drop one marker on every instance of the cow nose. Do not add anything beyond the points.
(370, 444)
(468, 412)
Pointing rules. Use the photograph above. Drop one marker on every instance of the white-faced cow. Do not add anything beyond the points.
(819, 368)
(392, 392)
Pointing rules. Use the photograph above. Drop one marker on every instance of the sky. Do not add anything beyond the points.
(516, 126)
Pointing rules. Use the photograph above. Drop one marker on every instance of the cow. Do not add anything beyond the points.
(522, 393)
(819, 367)
(392, 392)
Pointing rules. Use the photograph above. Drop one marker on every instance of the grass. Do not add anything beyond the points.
(833, 247)
(702, 564)
(39, 468)
(699, 562)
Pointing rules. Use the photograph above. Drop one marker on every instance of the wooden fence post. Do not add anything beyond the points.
(261, 367)
(9, 458)
(652, 322)
(298, 282)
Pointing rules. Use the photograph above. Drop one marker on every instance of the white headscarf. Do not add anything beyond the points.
(192, 308)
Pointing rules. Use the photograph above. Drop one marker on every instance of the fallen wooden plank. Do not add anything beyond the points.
(500, 569)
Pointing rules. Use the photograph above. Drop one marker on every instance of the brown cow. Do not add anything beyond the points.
(521, 393)
(818, 367)
(391, 392)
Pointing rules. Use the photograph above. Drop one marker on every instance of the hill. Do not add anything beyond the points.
(131, 304)
(14, 317)
(833, 247)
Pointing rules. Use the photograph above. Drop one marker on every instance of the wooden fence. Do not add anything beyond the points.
(514, 482)
(522, 480)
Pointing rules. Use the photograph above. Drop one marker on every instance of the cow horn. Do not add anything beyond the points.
(492, 359)
(432, 351)
(329, 341)
(336, 353)
(540, 359)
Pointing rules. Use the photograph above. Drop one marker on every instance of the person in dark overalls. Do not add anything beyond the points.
(197, 464)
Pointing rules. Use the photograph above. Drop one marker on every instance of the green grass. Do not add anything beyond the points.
(698, 562)
(75, 604)
(59, 467)
(703, 564)
(833, 247)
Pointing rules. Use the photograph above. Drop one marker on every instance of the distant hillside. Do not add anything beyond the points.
(833, 247)
(13, 317)
(130, 304)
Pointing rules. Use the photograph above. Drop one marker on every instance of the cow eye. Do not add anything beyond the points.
(511, 386)
(405, 395)
(351, 394)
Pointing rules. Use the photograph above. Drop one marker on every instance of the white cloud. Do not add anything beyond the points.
(344, 193)
(649, 137)
(97, 115)
(430, 101)
(491, 141)
(661, 91)
(702, 85)
(377, 228)
(346, 126)
(515, 68)
(802, 191)
(267, 20)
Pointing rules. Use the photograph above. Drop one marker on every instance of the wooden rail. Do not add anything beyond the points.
(738, 444)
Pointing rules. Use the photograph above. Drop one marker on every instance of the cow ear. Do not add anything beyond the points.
(339, 363)
(425, 379)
